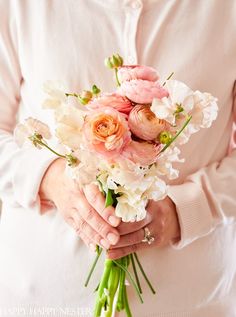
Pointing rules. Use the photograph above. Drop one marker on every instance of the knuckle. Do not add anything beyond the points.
(90, 214)
(94, 198)
(133, 248)
(102, 228)
(81, 226)
(161, 225)
(70, 222)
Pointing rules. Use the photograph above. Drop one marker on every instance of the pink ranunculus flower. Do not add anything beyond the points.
(114, 100)
(106, 132)
(144, 124)
(142, 91)
(127, 73)
(141, 153)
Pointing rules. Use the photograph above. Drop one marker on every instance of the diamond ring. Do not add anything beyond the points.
(147, 236)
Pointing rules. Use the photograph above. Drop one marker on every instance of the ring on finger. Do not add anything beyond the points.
(148, 238)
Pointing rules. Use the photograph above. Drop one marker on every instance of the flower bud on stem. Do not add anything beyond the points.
(37, 139)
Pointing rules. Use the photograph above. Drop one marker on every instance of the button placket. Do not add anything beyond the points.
(133, 9)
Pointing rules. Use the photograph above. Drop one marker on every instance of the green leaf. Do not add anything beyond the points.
(109, 199)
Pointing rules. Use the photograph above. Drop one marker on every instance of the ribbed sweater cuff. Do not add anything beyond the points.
(193, 210)
(28, 173)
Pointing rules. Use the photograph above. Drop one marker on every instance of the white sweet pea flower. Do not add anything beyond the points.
(180, 95)
(69, 123)
(86, 171)
(164, 165)
(130, 207)
(157, 189)
(56, 94)
(31, 126)
(205, 109)
(203, 114)
(124, 173)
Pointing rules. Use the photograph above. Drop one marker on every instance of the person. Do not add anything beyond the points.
(44, 252)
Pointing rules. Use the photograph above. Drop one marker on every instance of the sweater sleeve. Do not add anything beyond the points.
(207, 198)
(21, 170)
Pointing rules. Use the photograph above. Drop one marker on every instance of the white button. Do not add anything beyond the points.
(130, 59)
(135, 4)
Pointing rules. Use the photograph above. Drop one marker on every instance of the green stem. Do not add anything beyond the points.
(169, 77)
(176, 136)
(126, 303)
(99, 251)
(120, 299)
(135, 273)
(113, 283)
(71, 94)
(144, 274)
(50, 149)
(131, 279)
(96, 289)
(103, 284)
(117, 79)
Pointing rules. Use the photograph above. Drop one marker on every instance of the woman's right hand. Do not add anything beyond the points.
(82, 210)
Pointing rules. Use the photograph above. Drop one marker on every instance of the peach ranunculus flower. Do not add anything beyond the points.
(116, 101)
(127, 73)
(144, 124)
(141, 153)
(31, 126)
(106, 132)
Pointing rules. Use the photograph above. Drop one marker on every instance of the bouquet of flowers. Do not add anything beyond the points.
(126, 142)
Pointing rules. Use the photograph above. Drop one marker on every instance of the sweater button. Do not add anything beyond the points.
(135, 4)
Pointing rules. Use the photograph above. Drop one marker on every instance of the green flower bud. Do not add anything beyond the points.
(120, 59)
(86, 94)
(165, 137)
(179, 109)
(115, 61)
(83, 101)
(108, 62)
(95, 90)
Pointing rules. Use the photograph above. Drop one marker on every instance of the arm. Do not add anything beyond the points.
(206, 199)
(19, 179)
(27, 173)
(211, 198)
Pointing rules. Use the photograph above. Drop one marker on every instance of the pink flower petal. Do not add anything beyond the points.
(142, 91)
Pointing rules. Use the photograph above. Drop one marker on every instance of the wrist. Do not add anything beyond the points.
(50, 178)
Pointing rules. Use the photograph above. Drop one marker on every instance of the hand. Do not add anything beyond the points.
(162, 222)
(84, 211)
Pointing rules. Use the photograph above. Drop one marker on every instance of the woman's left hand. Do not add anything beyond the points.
(162, 223)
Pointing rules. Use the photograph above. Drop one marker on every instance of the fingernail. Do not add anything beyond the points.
(105, 244)
(113, 238)
(114, 221)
